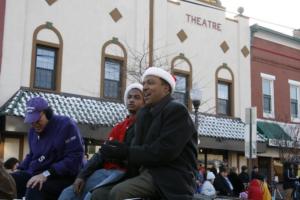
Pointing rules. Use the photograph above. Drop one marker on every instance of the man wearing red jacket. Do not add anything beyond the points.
(98, 172)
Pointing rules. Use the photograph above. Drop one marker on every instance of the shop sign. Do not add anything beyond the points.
(203, 22)
(283, 143)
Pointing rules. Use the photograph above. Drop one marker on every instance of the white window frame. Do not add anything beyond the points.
(174, 1)
(297, 85)
(270, 78)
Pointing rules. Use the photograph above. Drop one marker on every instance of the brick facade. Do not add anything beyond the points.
(278, 60)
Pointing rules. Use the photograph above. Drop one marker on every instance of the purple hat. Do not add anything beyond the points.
(33, 109)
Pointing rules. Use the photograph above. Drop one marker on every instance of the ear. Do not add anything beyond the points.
(167, 89)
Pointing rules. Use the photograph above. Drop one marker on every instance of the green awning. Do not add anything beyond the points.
(272, 131)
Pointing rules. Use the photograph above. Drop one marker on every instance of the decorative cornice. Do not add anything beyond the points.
(256, 28)
(274, 63)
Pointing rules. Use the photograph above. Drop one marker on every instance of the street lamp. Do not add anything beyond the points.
(196, 96)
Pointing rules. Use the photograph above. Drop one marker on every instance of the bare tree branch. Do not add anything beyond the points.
(289, 149)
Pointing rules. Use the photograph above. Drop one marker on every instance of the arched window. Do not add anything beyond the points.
(224, 91)
(113, 70)
(46, 59)
(182, 70)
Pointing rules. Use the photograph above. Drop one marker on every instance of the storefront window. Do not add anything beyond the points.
(214, 158)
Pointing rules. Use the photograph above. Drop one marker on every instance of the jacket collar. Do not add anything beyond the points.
(155, 109)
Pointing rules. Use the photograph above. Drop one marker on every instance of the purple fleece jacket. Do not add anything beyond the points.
(59, 148)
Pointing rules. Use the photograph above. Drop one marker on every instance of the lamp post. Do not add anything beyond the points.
(196, 95)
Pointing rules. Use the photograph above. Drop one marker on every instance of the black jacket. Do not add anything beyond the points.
(221, 186)
(166, 144)
(236, 182)
(93, 164)
(289, 178)
(96, 161)
(244, 177)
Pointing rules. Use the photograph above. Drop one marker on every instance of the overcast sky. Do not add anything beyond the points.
(286, 14)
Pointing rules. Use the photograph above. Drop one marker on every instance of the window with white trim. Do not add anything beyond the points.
(268, 95)
(294, 100)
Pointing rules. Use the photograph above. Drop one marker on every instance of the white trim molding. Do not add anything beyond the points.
(297, 85)
(271, 79)
(292, 82)
(267, 76)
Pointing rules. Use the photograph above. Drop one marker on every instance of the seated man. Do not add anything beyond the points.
(222, 183)
(55, 153)
(97, 172)
(164, 148)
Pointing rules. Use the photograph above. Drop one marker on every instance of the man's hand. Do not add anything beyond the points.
(36, 180)
(114, 150)
(78, 185)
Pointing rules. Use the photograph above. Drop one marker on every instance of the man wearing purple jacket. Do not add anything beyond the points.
(55, 153)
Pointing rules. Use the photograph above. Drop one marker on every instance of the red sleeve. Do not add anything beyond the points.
(113, 135)
(118, 132)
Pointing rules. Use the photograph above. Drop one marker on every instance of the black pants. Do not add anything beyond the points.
(51, 188)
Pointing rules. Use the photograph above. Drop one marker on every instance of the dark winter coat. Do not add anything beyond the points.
(222, 186)
(236, 182)
(166, 145)
(244, 177)
(289, 178)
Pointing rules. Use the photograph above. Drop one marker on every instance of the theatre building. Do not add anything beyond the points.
(275, 84)
(80, 55)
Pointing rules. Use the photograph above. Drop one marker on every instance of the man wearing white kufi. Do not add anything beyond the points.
(164, 148)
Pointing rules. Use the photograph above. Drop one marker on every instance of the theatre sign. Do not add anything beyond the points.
(203, 22)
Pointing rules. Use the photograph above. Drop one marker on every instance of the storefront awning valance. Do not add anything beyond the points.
(274, 133)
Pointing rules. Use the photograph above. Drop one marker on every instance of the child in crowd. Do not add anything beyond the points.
(11, 164)
(207, 188)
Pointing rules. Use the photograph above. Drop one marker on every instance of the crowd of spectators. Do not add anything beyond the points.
(225, 181)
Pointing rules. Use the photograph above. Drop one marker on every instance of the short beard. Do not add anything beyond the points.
(132, 112)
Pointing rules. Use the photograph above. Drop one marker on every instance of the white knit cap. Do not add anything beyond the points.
(210, 176)
(130, 87)
(161, 73)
